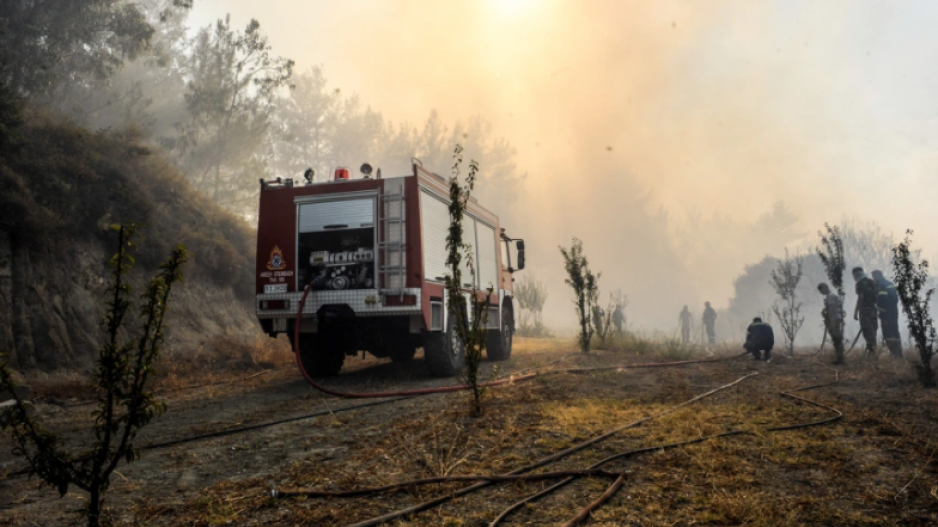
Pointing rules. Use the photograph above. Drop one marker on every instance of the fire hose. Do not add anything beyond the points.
(537, 464)
(458, 387)
(854, 342)
(567, 475)
(393, 396)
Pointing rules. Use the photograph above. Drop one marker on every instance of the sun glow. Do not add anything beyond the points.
(513, 7)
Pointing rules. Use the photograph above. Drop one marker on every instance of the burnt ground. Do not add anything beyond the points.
(875, 466)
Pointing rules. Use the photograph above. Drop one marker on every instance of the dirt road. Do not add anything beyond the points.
(873, 467)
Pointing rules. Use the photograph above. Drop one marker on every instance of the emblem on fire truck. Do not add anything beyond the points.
(276, 262)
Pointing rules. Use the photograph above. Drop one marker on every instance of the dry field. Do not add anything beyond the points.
(875, 466)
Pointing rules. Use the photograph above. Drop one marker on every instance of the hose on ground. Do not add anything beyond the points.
(585, 512)
(169, 390)
(443, 479)
(459, 387)
(233, 431)
(242, 429)
(566, 481)
(543, 461)
(569, 476)
(593, 506)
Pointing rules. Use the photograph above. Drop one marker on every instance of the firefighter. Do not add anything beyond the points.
(618, 318)
(759, 338)
(865, 310)
(887, 303)
(833, 314)
(598, 316)
(685, 318)
(709, 319)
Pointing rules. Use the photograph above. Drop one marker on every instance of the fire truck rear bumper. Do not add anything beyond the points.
(363, 302)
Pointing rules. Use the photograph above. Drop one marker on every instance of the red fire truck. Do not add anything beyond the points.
(373, 251)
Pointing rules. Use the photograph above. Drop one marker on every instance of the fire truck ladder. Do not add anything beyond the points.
(392, 222)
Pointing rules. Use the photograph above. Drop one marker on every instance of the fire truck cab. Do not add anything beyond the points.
(373, 253)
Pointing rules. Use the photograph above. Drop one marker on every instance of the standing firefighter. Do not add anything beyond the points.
(833, 314)
(599, 315)
(709, 319)
(887, 302)
(865, 310)
(685, 318)
(618, 318)
(759, 338)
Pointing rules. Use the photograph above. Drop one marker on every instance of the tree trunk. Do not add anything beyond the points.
(19, 288)
(926, 373)
(94, 507)
(217, 177)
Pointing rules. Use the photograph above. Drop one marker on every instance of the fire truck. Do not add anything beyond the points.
(372, 251)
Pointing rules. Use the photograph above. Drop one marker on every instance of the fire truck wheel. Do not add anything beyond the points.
(321, 355)
(498, 343)
(443, 351)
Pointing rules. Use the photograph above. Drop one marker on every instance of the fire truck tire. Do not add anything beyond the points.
(498, 343)
(443, 352)
(321, 355)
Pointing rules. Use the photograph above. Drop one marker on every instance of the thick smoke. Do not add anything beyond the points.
(662, 134)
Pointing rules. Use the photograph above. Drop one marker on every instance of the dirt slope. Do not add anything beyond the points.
(60, 186)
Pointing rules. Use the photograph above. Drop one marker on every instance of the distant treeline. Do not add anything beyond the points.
(226, 108)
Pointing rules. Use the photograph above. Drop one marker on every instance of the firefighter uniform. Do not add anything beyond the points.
(618, 318)
(685, 318)
(868, 313)
(759, 338)
(834, 322)
(887, 304)
(709, 319)
(598, 318)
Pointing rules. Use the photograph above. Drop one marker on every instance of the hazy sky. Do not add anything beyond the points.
(723, 108)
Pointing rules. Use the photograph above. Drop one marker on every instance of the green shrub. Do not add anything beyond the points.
(125, 405)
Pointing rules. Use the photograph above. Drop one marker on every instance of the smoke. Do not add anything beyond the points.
(662, 134)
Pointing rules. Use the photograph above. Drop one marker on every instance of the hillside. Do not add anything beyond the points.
(60, 187)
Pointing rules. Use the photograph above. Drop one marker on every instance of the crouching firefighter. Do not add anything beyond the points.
(759, 338)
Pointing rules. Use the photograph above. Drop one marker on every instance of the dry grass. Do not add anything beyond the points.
(226, 359)
(877, 466)
(843, 474)
(529, 346)
(59, 385)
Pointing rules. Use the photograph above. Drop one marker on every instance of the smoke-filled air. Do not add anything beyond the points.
(681, 141)
(224, 222)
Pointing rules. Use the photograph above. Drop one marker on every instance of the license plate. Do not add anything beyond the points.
(275, 288)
